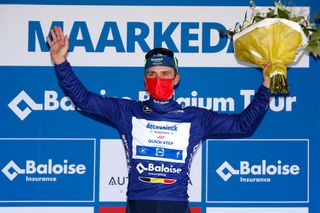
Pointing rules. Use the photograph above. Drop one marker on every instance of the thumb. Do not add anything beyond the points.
(266, 67)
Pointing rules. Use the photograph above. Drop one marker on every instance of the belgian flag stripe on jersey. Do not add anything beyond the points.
(157, 180)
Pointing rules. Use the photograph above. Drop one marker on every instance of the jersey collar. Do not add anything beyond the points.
(162, 106)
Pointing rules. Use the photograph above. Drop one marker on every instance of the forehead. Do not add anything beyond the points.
(160, 69)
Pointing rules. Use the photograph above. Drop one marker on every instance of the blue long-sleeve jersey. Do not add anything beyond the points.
(160, 137)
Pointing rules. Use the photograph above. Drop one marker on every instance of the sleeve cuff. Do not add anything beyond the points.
(59, 66)
(264, 89)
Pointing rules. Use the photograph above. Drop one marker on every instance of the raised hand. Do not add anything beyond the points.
(59, 45)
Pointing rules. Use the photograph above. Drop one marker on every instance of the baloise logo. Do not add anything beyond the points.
(50, 103)
(42, 172)
(256, 172)
(161, 168)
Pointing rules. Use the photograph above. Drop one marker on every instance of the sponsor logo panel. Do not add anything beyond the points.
(159, 152)
(258, 171)
(157, 170)
(123, 210)
(46, 209)
(48, 170)
(258, 210)
(113, 171)
(157, 140)
(114, 174)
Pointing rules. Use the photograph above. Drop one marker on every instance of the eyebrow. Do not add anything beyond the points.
(153, 71)
(150, 71)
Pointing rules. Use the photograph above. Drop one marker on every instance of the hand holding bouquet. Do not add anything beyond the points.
(275, 36)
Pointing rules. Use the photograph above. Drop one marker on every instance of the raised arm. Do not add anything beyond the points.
(108, 108)
(243, 123)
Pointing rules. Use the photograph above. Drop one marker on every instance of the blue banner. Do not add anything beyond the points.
(48, 170)
(273, 171)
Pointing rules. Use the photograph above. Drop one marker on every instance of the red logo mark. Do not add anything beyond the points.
(161, 137)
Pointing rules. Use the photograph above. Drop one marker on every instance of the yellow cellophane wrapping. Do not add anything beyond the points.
(277, 43)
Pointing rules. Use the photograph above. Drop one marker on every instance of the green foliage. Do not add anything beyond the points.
(297, 19)
(282, 13)
(271, 14)
(258, 18)
(314, 43)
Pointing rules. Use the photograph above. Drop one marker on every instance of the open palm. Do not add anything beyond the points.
(59, 45)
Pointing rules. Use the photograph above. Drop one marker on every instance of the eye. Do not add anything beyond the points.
(151, 75)
(166, 74)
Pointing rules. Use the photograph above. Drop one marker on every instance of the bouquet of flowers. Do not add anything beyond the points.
(277, 36)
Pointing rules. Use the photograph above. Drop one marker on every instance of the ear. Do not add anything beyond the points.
(176, 80)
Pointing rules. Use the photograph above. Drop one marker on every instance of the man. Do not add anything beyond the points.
(159, 135)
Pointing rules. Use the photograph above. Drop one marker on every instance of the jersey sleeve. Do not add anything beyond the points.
(236, 124)
(108, 108)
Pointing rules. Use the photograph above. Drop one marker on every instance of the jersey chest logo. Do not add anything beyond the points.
(160, 140)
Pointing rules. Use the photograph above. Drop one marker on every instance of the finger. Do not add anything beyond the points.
(66, 40)
(60, 32)
(61, 35)
(49, 41)
(53, 35)
(56, 30)
(66, 43)
(269, 64)
(266, 67)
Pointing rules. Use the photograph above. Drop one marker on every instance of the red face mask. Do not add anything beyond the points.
(159, 88)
